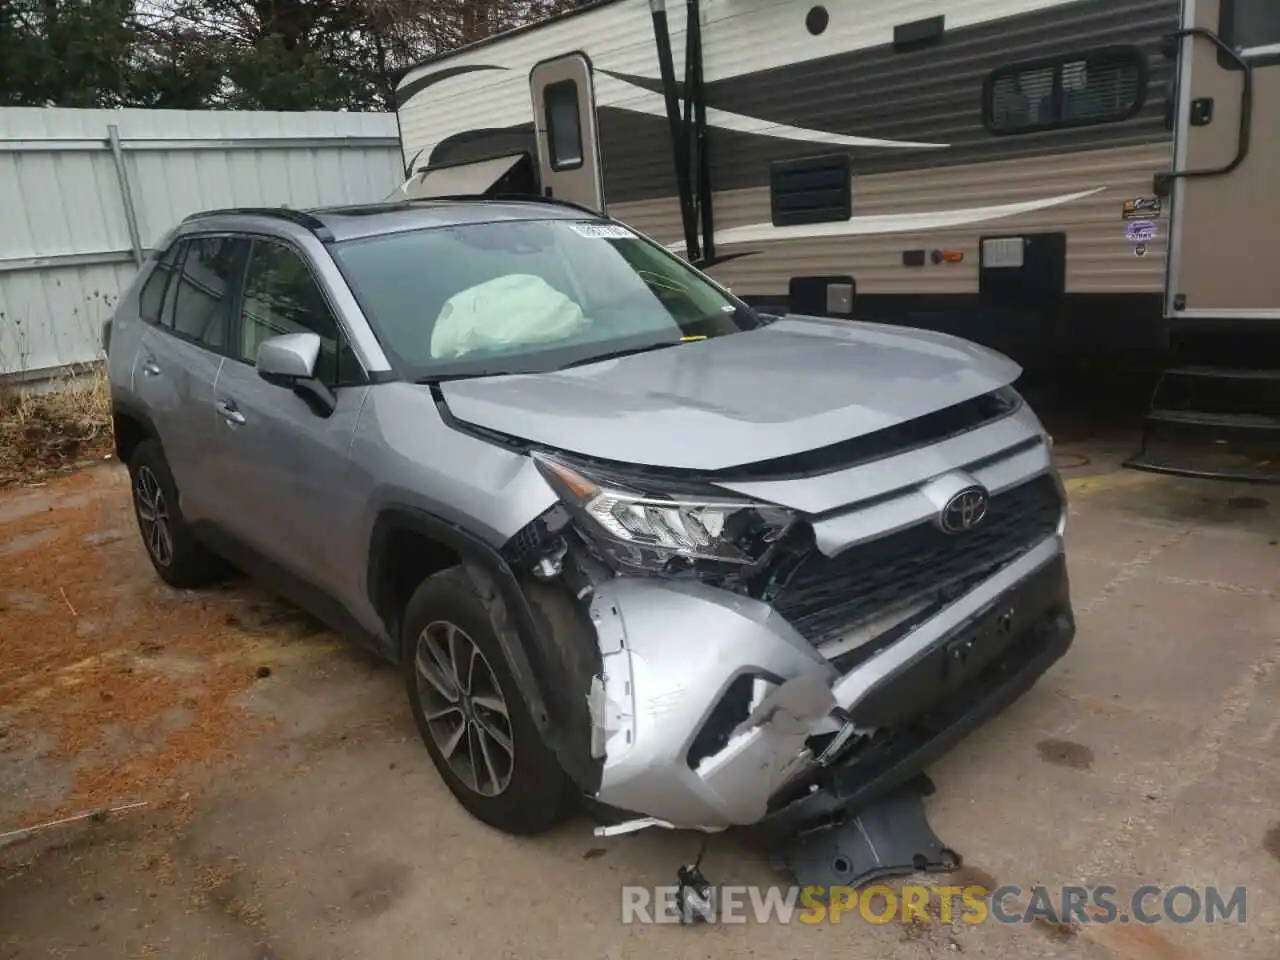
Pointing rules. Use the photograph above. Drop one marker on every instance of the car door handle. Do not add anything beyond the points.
(150, 368)
(227, 410)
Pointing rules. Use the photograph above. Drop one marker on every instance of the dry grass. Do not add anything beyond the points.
(51, 430)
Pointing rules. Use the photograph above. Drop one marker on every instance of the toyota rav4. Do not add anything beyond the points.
(626, 538)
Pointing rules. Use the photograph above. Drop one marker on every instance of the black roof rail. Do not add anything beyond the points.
(514, 198)
(299, 217)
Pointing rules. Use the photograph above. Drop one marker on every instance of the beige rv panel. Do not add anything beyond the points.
(1099, 257)
(460, 179)
(1225, 225)
(580, 180)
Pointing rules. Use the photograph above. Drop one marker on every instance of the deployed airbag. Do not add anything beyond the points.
(514, 310)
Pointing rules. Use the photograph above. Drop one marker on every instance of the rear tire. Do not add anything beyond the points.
(471, 714)
(178, 557)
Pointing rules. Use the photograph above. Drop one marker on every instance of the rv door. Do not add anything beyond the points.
(1226, 182)
(564, 110)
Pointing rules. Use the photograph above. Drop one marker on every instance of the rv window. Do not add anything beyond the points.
(564, 125)
(1252, 26)
(1101, 86)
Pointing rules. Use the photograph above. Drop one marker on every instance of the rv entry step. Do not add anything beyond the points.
(1215, 414)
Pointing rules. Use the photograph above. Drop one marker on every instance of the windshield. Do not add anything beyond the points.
(529, 296)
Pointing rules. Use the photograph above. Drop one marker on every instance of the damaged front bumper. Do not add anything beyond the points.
(713, 711)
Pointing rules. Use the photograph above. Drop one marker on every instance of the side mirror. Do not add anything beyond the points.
(289, 357)
(289, 361)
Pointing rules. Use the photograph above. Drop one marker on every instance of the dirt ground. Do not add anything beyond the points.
(292, 813)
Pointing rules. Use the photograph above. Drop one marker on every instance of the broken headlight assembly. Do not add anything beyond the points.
(656, 526)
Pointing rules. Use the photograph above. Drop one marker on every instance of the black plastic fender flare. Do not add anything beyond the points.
(539, 646)
(123, 405)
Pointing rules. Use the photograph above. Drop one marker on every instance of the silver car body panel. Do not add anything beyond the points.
(992, 450)
(491, 491)
(661, 685)
(793, 386)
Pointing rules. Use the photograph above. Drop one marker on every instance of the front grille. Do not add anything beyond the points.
(828, 596)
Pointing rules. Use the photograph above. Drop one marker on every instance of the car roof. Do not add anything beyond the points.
(336, 224)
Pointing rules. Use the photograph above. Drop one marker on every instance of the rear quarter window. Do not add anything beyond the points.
(151, 297)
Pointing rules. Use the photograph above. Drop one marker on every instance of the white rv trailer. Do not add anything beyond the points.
(1050, 177)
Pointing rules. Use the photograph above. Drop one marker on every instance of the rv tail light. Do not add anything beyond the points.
(952, 256)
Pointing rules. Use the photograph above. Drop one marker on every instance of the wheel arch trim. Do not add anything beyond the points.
(527, 652)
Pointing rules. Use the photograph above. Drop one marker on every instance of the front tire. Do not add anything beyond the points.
(470, 713)
(178, 557)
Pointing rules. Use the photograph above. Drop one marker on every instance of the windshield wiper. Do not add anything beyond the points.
(473, 375)
(615, 354)
(447, 375)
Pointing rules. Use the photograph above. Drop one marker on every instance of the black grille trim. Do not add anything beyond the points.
(827, 596)
(891, 441)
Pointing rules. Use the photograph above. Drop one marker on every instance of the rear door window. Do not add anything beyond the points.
(205, 289)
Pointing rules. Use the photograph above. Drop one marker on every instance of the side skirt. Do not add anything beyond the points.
(291, 587)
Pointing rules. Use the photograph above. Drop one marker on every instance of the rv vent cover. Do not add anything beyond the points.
(811, 190)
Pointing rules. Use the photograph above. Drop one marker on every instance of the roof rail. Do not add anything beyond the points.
(513, 198)
(299, 217)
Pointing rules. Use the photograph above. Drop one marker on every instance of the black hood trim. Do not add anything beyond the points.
(932, 428)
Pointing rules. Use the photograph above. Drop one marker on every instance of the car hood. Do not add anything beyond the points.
(794, 385)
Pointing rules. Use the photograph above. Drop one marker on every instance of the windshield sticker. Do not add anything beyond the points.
(603, 231)
(1140, 231)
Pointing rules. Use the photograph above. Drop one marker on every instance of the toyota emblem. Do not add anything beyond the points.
(964, 511)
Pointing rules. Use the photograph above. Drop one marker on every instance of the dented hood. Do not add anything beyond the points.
(795, 385)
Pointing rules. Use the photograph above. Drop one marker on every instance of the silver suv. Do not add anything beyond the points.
(628, 539)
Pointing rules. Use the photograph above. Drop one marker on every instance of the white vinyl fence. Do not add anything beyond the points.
(85, 193)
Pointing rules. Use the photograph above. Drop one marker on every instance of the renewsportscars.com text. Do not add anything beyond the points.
(946, 904)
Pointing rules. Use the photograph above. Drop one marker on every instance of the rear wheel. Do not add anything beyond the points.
(179, 559)
(470, 713)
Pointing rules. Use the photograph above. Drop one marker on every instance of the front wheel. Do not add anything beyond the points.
(470, 713)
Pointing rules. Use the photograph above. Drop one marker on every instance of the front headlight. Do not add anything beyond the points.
(648, 529)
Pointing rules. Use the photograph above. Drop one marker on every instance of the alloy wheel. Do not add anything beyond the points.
(464, 708)
(153, 516)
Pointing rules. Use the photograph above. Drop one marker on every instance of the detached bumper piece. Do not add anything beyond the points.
(889, 838)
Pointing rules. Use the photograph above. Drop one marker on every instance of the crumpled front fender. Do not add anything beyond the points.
(671, 651)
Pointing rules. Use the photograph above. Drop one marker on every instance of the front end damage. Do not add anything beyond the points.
(783, 665)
